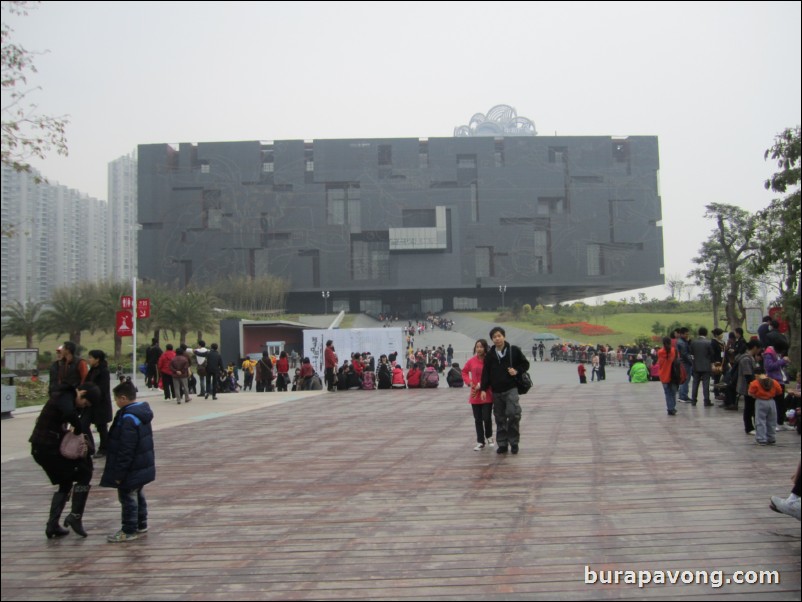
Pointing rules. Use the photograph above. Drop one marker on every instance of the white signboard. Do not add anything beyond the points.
(754, 318)
(21, 359)
(348, 341)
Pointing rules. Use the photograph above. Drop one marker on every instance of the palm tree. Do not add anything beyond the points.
(107, 303)
(24, 321)
(71, 312)
(188, 310)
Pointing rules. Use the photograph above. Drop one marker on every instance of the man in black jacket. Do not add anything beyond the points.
(502, 364)
(214, 364)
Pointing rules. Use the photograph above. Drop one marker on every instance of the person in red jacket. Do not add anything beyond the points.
(764, 390)
(283, 370)
(165, 372)
(414, 376)
(330, 365)
(665, 358)
(482, 409)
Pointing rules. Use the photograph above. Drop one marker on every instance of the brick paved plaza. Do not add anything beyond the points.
(378, 495)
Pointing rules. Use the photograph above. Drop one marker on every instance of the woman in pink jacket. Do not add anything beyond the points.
(482, 411)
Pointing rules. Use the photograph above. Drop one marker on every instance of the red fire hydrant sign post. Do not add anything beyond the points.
(125, 323)
(142, 308)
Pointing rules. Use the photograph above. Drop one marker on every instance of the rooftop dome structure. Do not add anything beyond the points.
(501, 120)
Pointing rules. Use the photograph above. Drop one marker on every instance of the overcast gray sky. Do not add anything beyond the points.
(714, 81)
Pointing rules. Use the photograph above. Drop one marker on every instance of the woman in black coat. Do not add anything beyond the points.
(72, 406)
(102, 412)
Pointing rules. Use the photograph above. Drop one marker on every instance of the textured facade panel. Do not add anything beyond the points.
(407, 222)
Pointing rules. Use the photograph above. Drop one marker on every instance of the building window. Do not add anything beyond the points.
(484, 262)
(466, 161)
(558, 154)
(385, 155)
(498, 153)
(344, 206)
(621, 151)
(370, 259)
(474, 202)
(595, 266)
(310, 165)
(206, 168)
(542, 252)
(267, 167)
(550, 205)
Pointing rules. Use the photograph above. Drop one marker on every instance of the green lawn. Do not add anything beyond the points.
(628, 326)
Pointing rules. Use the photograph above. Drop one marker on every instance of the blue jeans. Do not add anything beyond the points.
(135, 509)
(685, 387)
(670, 391)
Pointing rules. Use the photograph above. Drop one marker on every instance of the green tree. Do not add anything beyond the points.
(26, 133)
(191, 309)
(71, 312)
(732, 242)
(781, 228)
(709, 275)
(24, 321)
(106, 299)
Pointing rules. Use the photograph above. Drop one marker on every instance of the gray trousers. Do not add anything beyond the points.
(765, 420)
(507, 409)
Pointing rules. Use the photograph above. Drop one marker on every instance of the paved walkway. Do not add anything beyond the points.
(378, 495)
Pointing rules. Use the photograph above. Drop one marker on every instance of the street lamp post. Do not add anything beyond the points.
(326, 295)
(502, 289)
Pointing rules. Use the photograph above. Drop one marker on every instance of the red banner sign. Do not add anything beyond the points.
(125, 324)
(127, 302)
(142, 308)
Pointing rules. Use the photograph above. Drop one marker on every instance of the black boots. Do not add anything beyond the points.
(80, 493)
(56, 506)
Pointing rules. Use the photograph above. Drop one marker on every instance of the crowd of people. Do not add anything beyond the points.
(737, 372)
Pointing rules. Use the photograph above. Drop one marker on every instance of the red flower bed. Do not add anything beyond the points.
(584, 328)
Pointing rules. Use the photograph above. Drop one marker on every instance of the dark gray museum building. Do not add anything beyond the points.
(407, 225)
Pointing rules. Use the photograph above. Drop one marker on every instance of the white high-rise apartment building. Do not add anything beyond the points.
(122, 232)
(57, 237)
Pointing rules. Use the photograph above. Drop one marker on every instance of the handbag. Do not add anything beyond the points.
(523, 381)
(73, 447)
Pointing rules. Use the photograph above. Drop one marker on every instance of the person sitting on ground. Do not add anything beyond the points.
(637, 372)
(307, 372)
(430, 379)
(398, 378)
(454, 376)
(414, 376)
(384, 375)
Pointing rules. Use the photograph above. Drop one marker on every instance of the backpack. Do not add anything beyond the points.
(430, 379)
(679, 375)
(368, 381)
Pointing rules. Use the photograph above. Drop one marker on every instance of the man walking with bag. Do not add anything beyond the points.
(502, 364)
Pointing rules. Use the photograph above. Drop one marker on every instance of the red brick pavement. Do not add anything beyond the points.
(378, 495)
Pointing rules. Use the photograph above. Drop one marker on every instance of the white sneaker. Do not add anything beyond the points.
(490, 441)
(750, 433)
(479, 447)
(785, 506)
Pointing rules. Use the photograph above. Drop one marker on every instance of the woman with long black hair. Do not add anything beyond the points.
(102, 412)
(67, 405)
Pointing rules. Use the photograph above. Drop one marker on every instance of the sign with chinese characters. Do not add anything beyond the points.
(142, 308)
(127, 302)
(348, 341)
